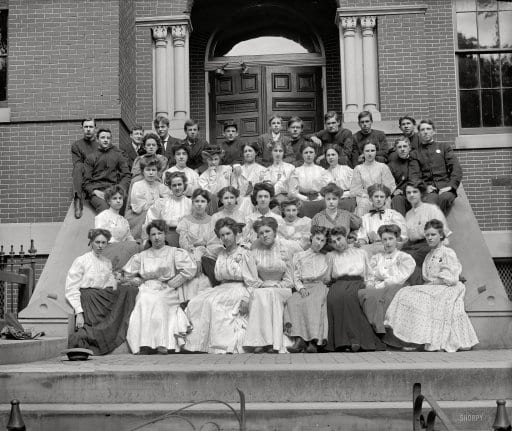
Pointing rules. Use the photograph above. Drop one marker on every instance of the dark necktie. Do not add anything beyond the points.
(379, 212)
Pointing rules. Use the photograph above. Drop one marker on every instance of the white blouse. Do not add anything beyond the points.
(192, 178)
(144, 194)
(352, 262)
(298, 230)
(198, 237)
(215, 179)
(309, 266)
(251, 174)
(248, 234)
(169, 209)
(365, 175)
(370, 224)
(282, 177)
(416, 218)
(87, 271)
(342, 176)
(116, 224)
(390, 269)
(312, 179)
(236, 215)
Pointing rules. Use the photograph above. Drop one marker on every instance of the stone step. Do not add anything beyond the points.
(338, 377)
(18, 351)
(369, 416)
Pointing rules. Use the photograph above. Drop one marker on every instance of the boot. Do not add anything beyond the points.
(77, 203)
(311, 347)
(298, 346)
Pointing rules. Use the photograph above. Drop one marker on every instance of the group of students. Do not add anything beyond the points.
(289, 244)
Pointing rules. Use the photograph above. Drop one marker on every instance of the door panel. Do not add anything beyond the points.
(250, 99)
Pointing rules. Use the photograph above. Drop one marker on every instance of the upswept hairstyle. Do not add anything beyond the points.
(331, 188)
(266, 186)
(228, 222)
(379, 187)
(265, 221)
(389, 228)
(113, 190)
(169, 176)
(94, 233)
(436, 224)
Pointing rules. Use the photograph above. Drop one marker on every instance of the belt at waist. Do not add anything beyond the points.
(348, 278)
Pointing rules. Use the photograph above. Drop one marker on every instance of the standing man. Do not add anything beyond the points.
(407, 125)
(134, 148)
(105, 167)
(79, 152)
(161, 124)
(367, 134)
(439, 167)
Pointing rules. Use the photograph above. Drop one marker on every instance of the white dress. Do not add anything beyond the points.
(342, 176)
(157, 319)
(416, 218)
(251, 174)
(169, 209)
(236, 215)
(433, 313)
(268, 272)
(215, 179)
(192, 178)
(282, 177)
(311, 179)
(298, 231)
(248, 234)
(364, 176)
(214, 314)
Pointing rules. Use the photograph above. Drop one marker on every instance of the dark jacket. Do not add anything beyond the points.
(104, 168)
(403, 170)
(129, 152)
(232, 152)
(81, 149)
(265, 145)
(342, 139)
(195, 159)
(376, 137)
(438, 165)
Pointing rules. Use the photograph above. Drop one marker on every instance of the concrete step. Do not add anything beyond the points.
(369, 416)
(20, 351)
(337, 377)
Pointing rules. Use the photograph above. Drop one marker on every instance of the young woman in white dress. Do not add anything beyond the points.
(342, 177)
(281, 174)
(181, 154)
(294, 228)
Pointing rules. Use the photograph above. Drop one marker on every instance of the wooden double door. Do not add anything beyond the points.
(250, 99)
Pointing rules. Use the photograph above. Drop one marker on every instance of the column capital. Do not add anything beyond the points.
(159, 33)
(179, 33)
(368, 23)
(348, 23)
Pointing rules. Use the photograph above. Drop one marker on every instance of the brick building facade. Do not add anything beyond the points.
(70, 60)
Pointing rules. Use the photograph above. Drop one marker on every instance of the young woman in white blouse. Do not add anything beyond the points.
(342, 177)
(281, 174)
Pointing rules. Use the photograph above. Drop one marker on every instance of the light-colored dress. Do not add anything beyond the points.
(306, 317)
(157, 319)
(169, 209)
(192, 178)
(342, 176)
(370, 223)
(416, 218)
(248, 234)
(388, 274)
(298, 231)
(236, 215)
(143, 194)
(364, 176)
(310, 180)
(122, 245)
(251, 174)
(215, 179)
(214, 314)
(268, 273)
(137, 172)
(282, 177)
(433, 313)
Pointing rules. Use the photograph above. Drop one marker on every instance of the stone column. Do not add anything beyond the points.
(179, 33)
(160, 37)
(349, 25)
(370, 81)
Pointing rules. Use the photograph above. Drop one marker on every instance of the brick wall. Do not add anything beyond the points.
(331, 41)
(144, 71)
(127, 67)
(153, 8)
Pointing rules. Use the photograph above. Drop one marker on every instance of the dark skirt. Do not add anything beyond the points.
(375, 303)
(418, 250)
(106, 317)
(347, 323)
(172, 237)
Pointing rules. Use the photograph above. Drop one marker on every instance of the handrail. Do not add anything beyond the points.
(436, 411)
(240, 417)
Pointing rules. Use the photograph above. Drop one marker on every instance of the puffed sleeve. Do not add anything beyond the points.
(449, 268)
(356, 185)
(399, 220)
(136, 166)
(297, 275)
(132, 267)
(154, 213)
(388, 179)
(164, 191)
(362, 232)
(185, 266)
(138, 200)
(250, 272)
(404, 267)
(326, 178)
(72, 288)
(183, 229)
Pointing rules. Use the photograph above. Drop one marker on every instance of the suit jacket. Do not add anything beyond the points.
(106, 167)
(128, 152)
(171, 141)
(342, 139)
(376, 137)
(439, 165)
(403, 170)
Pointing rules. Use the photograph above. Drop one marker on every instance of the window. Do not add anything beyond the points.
(484, 57)
(3, 56)
(267, 45)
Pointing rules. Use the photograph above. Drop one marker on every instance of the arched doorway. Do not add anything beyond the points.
(272, 62)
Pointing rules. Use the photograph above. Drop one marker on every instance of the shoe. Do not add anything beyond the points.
(311, 348)
(355, 347)
(298, 346)
(259, 350)
(77, 203)
(161, 350)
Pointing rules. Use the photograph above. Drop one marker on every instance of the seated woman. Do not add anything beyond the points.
(367, 235)
(215, 177)
(227, 197)
(389, 270)
(197, 236)
(219, 316)
(157, 321)
(144, 193)
(268, 273)
(275, 134)
(305, 313)
(171, 208)
(311, 179)
(415, 220)
(368, 173)
(153, 147)
(121, 245)
(433, 314)
(294, 228)
(101, 309)
(247, 175)
(262, 194)
(342, 177)
(181, 155)
(281, 174)
(333, 215)
(348, 326)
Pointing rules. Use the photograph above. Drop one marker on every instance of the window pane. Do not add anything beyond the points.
(505, 5)
(506, 70)
(469, 108)
(465, 5)
(468, 71)
(491, 108)
(3, 32)
(466, 30)
(487, 5)
(489, 70)
(488, 29)
(266, 45)
(507, 107)
(506, 29)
